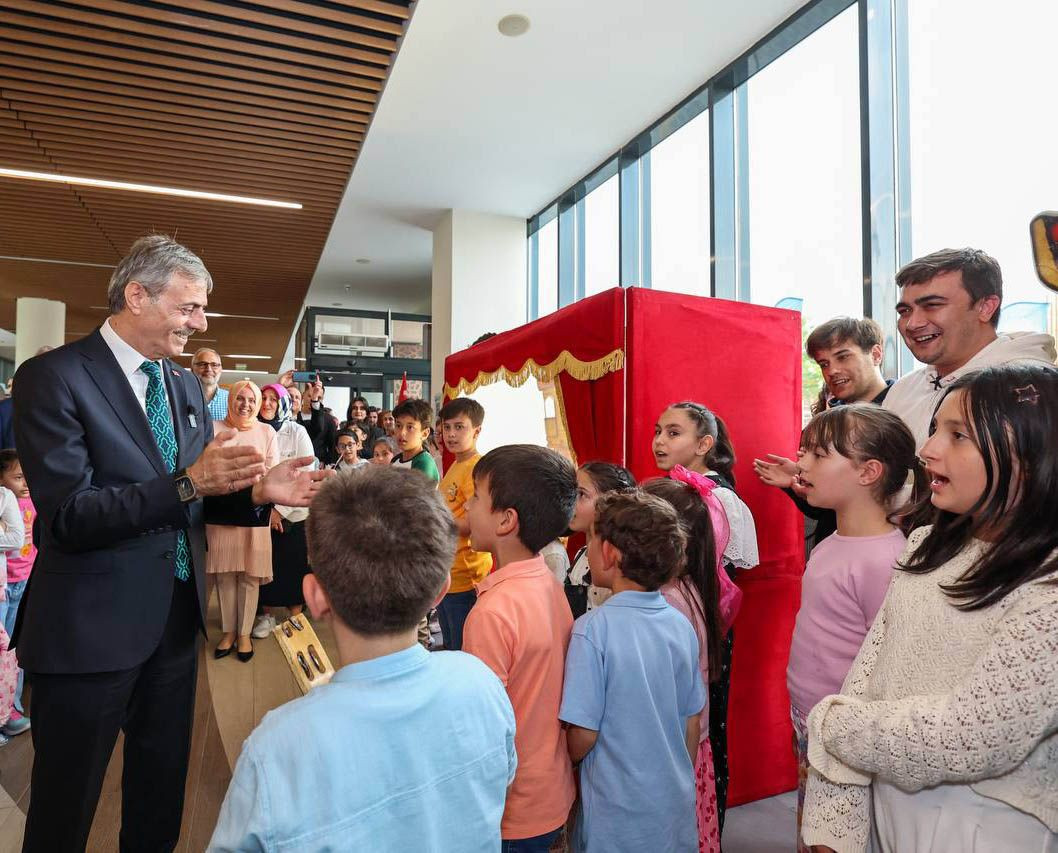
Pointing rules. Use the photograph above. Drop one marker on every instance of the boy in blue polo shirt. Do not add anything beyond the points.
(404, 749)
(633, 691)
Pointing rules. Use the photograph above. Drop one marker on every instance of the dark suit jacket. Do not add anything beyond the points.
(323, 433)
(101, 587)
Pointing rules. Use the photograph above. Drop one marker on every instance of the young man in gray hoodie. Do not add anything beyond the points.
(948, 312)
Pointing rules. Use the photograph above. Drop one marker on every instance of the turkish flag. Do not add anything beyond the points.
(403, 395)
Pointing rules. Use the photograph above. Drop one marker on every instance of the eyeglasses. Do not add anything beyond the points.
(346, 446)
(212, 365)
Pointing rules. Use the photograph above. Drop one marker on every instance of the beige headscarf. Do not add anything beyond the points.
(236, 421)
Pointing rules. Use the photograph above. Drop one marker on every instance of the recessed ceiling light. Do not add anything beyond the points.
(513, 25)
(55, 261)
(233, 355)
(142, 188)
(363, 260)
(239, 316)
(208, 314)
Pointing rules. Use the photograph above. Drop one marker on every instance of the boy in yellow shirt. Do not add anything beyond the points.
(461, 421)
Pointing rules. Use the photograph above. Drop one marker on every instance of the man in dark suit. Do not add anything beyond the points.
(118, 448)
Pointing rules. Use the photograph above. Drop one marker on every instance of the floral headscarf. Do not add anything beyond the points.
(234, 420)
(283, 409)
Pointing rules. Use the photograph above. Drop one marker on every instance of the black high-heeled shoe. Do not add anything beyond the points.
(245, 656)
(219, 653)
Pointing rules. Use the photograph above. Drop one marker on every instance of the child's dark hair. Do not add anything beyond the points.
(386, 440)
(418, 409)
(8, 458)
(348, 433)
(537, 483)
(701, 561)
(463, 406)
(380, 516)
(648, 533)
(721, 458)
(609, 477)
(862, 431)
(1012, 412)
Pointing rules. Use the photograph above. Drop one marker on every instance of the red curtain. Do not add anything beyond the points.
(588, 330)
(743, 362)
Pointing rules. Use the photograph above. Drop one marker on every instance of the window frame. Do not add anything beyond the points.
(884, 171)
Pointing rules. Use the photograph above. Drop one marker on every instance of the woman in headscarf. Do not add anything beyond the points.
(289, 551)
(240, 552)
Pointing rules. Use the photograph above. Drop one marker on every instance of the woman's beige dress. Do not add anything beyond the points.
(244, 549)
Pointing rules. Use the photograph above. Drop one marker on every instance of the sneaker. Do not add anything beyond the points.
(16, 725)
(4, 740)
(264, 626)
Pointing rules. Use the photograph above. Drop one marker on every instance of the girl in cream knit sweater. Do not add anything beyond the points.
(945, 734)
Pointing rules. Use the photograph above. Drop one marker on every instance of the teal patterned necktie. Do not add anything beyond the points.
(161, 422)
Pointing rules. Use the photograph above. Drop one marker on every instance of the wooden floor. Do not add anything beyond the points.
(231, 699)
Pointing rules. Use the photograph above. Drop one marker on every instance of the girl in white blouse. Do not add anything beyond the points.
(945, 734)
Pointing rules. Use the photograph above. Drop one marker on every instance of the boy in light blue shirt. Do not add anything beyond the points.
(404, 749)
(633, 690)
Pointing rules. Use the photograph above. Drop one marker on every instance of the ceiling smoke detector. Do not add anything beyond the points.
(513, 25)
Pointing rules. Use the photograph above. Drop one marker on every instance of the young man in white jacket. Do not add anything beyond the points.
(948, 312)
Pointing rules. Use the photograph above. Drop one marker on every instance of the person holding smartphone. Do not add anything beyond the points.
(320, 427)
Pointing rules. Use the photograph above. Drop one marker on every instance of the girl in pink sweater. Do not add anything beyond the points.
(854, 459)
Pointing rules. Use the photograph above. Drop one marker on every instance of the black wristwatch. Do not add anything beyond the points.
(185, 486)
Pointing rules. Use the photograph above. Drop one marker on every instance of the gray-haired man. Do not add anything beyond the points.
(120, 454)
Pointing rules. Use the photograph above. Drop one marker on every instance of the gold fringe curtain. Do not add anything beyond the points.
(564, 363)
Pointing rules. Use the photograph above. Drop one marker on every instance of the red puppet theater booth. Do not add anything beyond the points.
(604, 368)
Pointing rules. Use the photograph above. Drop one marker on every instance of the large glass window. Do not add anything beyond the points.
(679, 210)
(602, 237)
(802, 158)
(547, 269)
(982, 127)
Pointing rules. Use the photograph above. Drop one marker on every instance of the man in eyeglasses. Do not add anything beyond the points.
(206, 365)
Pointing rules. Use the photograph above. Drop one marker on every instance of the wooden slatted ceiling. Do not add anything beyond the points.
(269, 99)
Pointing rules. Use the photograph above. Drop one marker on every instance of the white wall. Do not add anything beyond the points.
(38, 323)
(478, 285)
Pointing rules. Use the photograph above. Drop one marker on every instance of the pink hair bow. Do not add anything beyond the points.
(730, 594)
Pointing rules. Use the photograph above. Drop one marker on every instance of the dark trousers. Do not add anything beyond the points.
(452, 613)
(76, 719)
(718, 695)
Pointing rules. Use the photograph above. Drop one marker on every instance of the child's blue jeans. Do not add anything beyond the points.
(452, 612)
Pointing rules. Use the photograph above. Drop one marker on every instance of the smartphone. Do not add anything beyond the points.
(305, 376)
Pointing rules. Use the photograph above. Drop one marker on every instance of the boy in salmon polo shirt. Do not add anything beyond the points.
(520, 627)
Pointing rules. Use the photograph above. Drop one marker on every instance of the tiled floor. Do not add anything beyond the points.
(766, 826)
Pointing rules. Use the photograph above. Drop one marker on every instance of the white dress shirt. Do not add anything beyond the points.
(129, 361)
